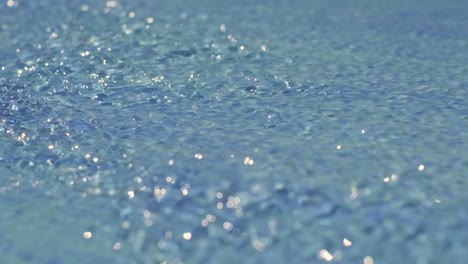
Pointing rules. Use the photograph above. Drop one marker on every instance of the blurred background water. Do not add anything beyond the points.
(233, 131)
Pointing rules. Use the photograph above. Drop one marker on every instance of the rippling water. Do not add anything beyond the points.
(233, 132)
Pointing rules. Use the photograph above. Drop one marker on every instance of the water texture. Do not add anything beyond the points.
(233, 131)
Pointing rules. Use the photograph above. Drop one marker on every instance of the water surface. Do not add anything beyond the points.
(234, 132)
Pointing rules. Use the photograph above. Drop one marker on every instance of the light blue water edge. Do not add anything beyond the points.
(233, 132)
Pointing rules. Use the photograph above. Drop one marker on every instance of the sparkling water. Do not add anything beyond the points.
(242, 131)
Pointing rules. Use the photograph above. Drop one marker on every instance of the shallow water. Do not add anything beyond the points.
(235, 132)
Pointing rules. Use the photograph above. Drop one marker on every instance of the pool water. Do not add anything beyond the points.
(233, 131)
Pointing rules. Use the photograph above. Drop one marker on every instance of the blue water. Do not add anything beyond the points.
(233, 131)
